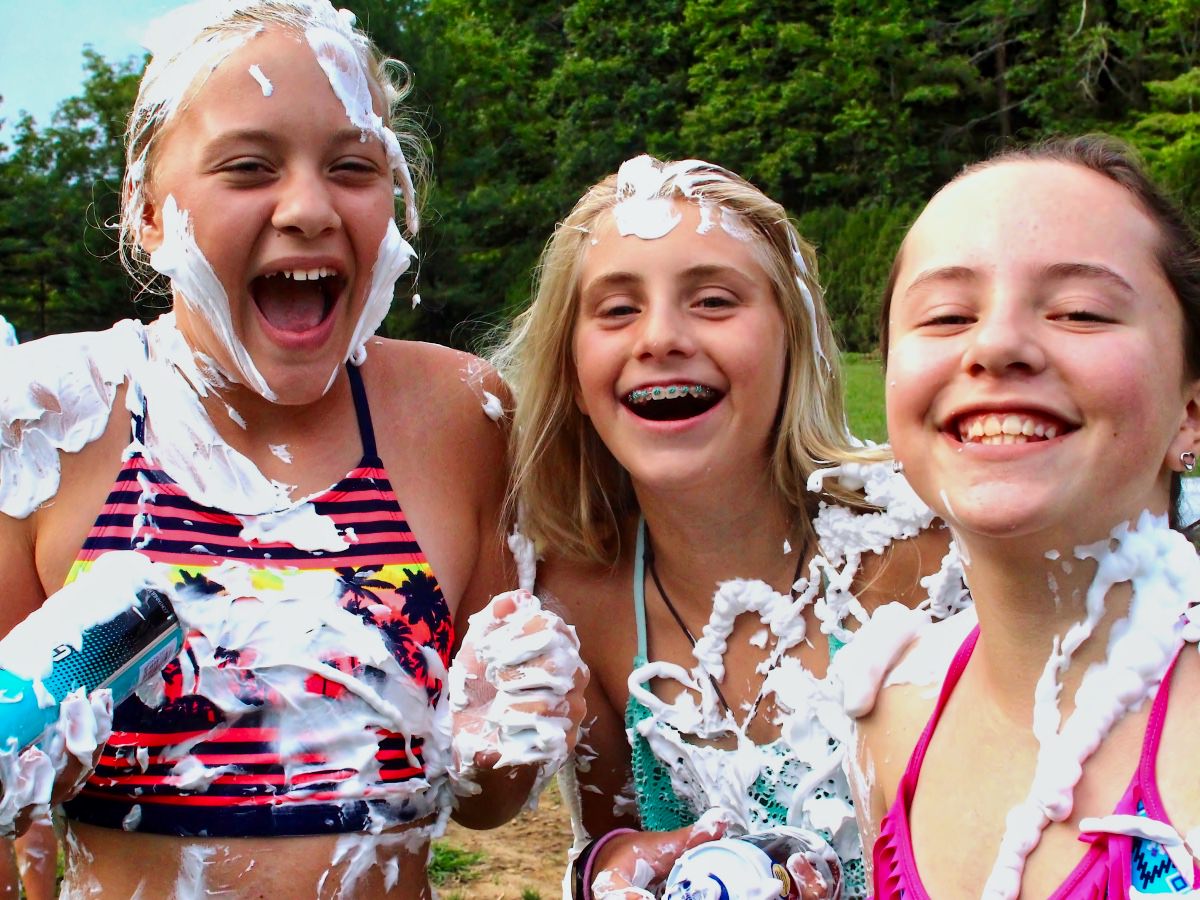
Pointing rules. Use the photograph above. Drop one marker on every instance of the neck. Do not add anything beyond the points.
(1024, 601)
(701, 538)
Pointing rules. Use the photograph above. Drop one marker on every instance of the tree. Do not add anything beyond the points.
(58, 203)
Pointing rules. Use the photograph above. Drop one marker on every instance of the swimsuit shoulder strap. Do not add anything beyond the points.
(957, 666)
(362, 411)
(639, 589)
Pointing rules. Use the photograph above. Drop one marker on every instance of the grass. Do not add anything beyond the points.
(864, 396)
(448, 861)
(530, 894)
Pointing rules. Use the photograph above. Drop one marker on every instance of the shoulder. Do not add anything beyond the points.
(1175, 767)
(907, 669)
(58, 397)
(897, 573)
(598, 601)
(589, 594)
(438, 382)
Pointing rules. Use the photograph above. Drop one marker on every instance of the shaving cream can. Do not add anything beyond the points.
(119, 654)
(753, 866)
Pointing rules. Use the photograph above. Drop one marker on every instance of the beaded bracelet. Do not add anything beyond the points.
(581, 884)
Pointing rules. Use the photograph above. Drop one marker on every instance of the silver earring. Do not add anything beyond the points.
(1188, 458)
(898, 467)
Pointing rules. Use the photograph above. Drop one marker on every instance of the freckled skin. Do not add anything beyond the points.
(1033, 286)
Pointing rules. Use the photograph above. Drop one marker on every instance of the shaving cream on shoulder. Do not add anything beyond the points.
(56, 397)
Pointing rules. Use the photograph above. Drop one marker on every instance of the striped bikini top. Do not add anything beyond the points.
(1115, 865)
(279, 715)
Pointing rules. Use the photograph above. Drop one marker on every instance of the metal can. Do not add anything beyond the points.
(118, 654)
(753, 867)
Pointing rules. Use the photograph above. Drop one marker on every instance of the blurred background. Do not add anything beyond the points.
(850, 112)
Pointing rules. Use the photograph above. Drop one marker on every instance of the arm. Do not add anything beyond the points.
(517, 680)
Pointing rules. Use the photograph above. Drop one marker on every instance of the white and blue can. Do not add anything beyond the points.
(754, 867)
(119, 654)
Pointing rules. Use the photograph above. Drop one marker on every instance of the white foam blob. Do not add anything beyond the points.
(508, 687)
(263, 81)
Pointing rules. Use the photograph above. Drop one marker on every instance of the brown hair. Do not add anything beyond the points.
(1178, 250)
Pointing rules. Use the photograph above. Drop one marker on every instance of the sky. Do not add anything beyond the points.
(41, 47)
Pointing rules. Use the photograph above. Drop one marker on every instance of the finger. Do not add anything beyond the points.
(812, 885)
(504, 605)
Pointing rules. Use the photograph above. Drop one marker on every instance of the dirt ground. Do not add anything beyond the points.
(524, 860)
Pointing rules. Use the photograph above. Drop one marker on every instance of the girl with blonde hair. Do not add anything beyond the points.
(679, 428)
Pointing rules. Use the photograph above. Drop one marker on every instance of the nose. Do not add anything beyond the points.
(663, 330)
(1004, 339)
(305, 207)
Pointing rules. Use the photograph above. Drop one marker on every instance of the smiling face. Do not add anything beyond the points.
(288, 206)
(679, 348)
(1036, 379)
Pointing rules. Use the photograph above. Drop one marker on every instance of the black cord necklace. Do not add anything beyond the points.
(648, 563)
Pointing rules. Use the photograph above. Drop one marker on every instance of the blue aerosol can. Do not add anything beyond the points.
(118, 653)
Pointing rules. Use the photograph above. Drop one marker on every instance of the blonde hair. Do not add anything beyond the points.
(189, 43)
(571, 491)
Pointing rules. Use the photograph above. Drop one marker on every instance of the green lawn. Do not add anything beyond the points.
(864, 396)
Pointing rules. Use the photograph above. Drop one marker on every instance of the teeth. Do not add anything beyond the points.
(670, 392)
(1008, 428)
(304, 274)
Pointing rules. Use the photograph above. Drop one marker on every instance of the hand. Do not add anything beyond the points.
(54, 771)
(630, 866)
(808, 878)
(516, 688)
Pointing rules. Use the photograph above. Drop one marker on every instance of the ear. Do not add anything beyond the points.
(1188, 438)
(150, 229)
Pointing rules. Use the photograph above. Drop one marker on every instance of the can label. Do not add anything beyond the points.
(753, 867)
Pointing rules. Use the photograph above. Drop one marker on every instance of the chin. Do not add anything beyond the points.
(303, 385)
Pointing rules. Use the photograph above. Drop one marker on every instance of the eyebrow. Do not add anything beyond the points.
(692, 273)
(264, 136)
(1056, 271)
(941, 274)
(1063, 271)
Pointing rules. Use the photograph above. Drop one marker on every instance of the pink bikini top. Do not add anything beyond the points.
(1113, 863)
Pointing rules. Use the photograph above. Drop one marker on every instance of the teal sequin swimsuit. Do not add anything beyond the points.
(661, 809)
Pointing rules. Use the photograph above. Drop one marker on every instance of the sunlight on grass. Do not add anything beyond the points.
(864, 396)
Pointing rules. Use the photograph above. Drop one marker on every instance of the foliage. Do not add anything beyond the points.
(58, 195)
(448, 862)
(849, 112)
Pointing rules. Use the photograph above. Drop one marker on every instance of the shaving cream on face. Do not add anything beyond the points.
(263, 81)
(335, 52)
(645, 208)
(178, 71)
(197, 286)
(394, 257)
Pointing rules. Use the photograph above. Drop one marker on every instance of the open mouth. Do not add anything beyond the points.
(1009, 428)
(297, 300)
(672, 402)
